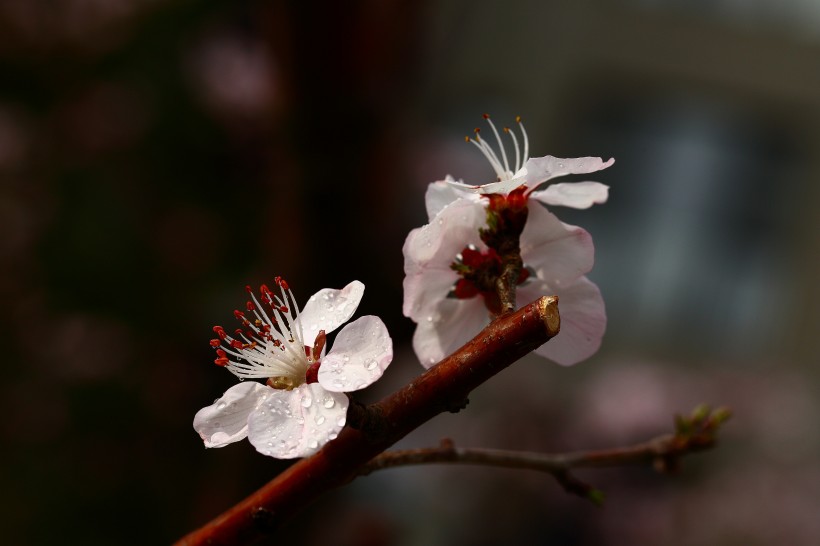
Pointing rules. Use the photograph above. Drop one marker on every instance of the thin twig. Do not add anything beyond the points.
(694, 433)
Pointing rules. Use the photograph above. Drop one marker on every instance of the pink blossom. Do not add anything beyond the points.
(532, 172)
(449, 312)
(302, 406)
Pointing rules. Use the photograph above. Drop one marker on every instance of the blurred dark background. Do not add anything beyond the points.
(158, 155)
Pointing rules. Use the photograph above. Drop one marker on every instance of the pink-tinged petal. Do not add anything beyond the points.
(559, 253)
(577, 195)
(429, 251)
(296, 423)
(583, 322)
(540, 169)
(226, 420)
(502, 186)
(453, 323)
(442, 193)
(360, 354)
(328, 309)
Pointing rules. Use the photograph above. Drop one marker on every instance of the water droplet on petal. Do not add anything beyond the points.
(346, 359)
(320, 419)
(221, 405)
(342, 420)
(329, 402)
(332, 436)
(307, 401)
(370, 364)
(313, 444)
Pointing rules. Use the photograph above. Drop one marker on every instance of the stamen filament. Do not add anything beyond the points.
(526, 141)
(496, 167)
(518, 164)
(500, 144)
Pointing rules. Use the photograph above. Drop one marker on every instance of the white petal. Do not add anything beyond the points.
(297, 423)
(541, 169)
(328, 309)
(578, 195)
(226, 421)
(451, 325)
(502, 186)
(442, 193)
(583, 322)
(559, 253)
(429, 251)
(360, 354)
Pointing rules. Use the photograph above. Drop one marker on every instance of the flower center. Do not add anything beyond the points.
(501, 165)
(479, 272)
(270, 343)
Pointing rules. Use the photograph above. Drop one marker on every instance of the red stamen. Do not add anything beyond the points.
(216, 342)
(312, 374)
(250, 306)
(471, 257)
(319, 345)
(239, 314)
(222, 361)
(221, 353)
(236, 344)
(486, 116)
(465, 289)
(218, 330)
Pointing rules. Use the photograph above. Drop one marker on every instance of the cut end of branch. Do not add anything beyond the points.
(548, 309)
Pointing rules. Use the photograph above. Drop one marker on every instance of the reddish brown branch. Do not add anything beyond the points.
(441, 388)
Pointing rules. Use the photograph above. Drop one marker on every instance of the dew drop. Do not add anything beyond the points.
(221, 405)
(313, 444)
(342, 420)
(329, 403)
(370, 364)
(346, 359)
(320, 419)
(332, 436)
(307, 401)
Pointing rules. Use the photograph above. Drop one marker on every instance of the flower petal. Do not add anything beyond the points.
(296, 423)
(583, 322)
(452, 324)
(540, 169)
(429, 251)
(442, 193)
(328, 309)
(226, 420)
(559, 253)
(360, 354)
(578, 195)
(502, 186)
